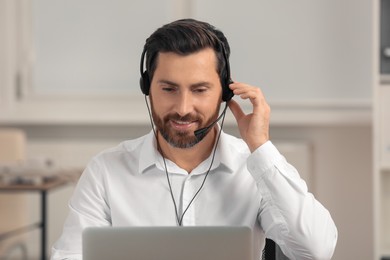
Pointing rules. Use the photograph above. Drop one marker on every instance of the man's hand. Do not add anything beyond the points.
(254, 127)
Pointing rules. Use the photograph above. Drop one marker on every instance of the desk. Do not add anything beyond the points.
(43, 189)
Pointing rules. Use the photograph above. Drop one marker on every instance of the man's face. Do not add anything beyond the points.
(185, 95)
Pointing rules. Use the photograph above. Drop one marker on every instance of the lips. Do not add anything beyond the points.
(182, 125)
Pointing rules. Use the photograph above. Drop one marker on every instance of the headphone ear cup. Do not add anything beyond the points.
(144, 83)
(227, 93)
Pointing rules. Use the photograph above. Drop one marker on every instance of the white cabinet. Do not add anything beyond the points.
(384, 126)
(306, 56)
(382, 170)
(298, 51)
(381, 130)
(71, 61)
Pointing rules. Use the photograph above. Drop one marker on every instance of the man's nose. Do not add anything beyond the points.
(184, 105)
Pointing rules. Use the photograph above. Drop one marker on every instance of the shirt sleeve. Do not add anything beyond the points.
(87, 207)
(289, 214)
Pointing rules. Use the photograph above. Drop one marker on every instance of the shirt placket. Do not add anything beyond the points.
(188, 194)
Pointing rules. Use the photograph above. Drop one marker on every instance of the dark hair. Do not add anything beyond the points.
(184, 37)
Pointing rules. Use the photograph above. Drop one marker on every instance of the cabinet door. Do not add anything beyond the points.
(298, 50)
(86, 47)
(75, 61)
(384, 126)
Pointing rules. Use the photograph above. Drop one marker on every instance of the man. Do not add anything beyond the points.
(187, 171)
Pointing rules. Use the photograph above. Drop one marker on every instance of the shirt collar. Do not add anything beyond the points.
(149, 154)
(225, 154)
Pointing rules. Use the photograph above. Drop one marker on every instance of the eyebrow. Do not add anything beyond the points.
(202, 83)
(198, 84)
(171, 83)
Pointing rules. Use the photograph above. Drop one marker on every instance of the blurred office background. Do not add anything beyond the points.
(69, 73)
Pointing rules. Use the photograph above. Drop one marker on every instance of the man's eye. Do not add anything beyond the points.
(168, 89)
(200, 90)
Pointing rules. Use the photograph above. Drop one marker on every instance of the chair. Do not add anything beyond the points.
(272, 251)
(13, 207)
(269, 250)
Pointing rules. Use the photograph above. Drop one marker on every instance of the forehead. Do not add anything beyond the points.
(203, 58)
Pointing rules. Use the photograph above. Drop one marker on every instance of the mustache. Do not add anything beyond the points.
(177, 117)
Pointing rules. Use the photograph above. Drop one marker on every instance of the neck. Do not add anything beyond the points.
(189, 158)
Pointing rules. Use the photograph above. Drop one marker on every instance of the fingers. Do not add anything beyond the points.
(254, 94)
(246, 91)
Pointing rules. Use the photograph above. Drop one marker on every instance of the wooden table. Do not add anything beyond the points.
(43, 189)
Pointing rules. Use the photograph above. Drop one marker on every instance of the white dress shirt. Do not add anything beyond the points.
(127, 186)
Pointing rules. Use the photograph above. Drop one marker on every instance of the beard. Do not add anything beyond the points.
(180, 139)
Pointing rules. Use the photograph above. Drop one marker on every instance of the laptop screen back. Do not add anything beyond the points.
(167, 243)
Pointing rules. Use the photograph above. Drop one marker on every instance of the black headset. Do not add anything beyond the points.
(227, 93)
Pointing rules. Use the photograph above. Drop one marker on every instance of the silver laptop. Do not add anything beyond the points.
(167, 243)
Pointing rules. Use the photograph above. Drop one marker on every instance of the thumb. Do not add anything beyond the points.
(236, 109)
